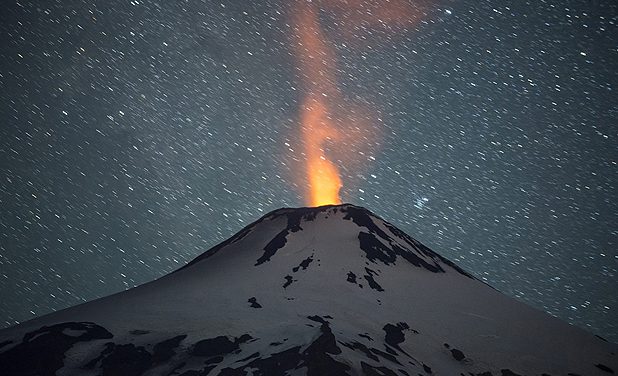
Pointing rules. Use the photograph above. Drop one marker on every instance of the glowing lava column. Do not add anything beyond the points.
(317, 65)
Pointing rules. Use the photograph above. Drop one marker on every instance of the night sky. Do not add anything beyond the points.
(135, 135)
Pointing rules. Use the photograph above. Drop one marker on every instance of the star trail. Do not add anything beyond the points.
(136, 135)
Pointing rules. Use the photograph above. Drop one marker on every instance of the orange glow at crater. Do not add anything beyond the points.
(335, 128)
(316, 63)
(323, 176)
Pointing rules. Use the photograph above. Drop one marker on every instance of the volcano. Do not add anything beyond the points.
(331, 290)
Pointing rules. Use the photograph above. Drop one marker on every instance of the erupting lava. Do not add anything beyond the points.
(324, 180)
(323, 130)
(317, 65)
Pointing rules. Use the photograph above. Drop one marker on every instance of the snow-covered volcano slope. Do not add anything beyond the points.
(332, 290)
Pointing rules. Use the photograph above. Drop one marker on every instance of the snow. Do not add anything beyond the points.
(448, 313)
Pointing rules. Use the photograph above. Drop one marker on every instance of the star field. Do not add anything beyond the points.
(136, 135)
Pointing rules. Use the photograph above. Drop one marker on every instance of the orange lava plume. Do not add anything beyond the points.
(323, 175)
(331, 124)
(317, 62)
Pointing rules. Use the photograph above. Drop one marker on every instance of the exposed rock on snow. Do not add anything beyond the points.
(332, 290)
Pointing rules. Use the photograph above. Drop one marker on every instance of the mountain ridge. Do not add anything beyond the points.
(332, 290)
(360, 215)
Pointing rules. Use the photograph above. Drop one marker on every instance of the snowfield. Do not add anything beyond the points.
(332, 290)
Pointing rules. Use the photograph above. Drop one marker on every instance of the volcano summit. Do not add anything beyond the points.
(332, 290)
